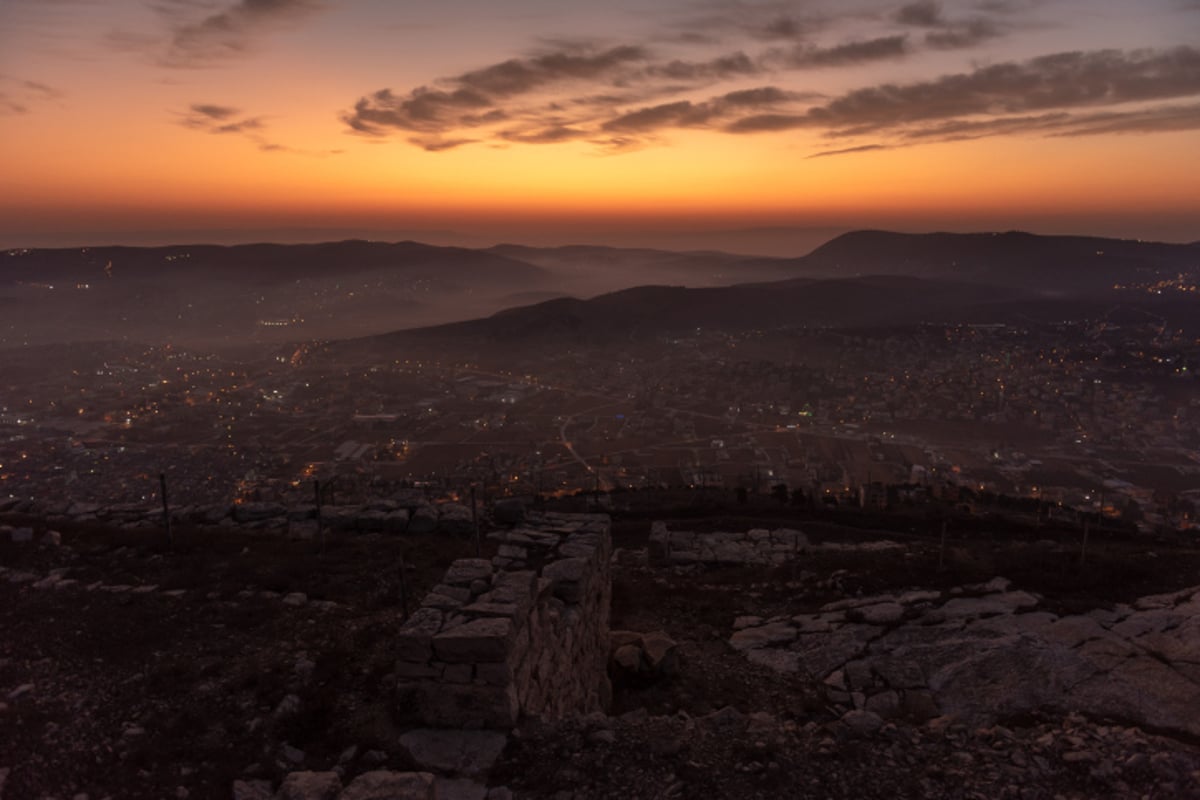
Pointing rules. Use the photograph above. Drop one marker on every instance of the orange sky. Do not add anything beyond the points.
(540, 121)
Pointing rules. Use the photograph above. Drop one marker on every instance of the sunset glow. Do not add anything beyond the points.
(545, 121)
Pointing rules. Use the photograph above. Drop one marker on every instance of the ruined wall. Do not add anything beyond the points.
(525, 634)
(755, 547)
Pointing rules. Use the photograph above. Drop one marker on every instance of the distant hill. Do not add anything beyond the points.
(276, 293)
(1009, 259)
(263, 292)
(591, 269)
(269, 263)
(644, 313)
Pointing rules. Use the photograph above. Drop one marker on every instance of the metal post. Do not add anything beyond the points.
(162, 482)
(475, 520)
(403, 587)
(320, 522)
(942, 549)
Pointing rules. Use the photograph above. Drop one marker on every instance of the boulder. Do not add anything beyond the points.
(310, 786)
(385, 785)
(455, 518)
(450, 752)
(862, 723)
(251, 790)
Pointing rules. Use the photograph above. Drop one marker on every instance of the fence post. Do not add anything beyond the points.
(162, 482)
(320, 522)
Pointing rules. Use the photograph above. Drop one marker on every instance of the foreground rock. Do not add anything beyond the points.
(984, 653)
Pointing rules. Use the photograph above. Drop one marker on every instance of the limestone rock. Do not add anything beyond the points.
(251, 790)
(466, 753)
(862, 723)
(762, 636)
(385, 785)
(456, 519)
(485, 639)
(309, 786)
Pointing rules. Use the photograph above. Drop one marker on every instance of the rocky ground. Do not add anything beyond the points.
(233, 660)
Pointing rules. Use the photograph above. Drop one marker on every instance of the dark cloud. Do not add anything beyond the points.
(924, 14)
(626, 96)
(214, 112)
(231, 32)
(224, 120)
(422, 110)
(1055, 81)
(1058, 95)
(472, 99)
(9, 105)
(783, 27)
(212, 118)
(734, 65)
(551, 135)
(686, 114)
(1060, 81)
(865, 148)
(438, 145)
(963, 35)
(1154, 120)
(768, 123)
(850, 53)
(18, 96)
(945, 33)
(519, 76)
(683, 114)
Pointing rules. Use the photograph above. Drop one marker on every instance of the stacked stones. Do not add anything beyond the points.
(758, 546)
(525, 634)
(405, 512)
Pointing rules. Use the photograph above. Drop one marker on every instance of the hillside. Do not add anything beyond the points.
(1007, 259)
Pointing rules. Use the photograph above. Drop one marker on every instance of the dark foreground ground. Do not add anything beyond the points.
(133, 670)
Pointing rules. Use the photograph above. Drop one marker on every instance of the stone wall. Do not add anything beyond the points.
(754, 547)
(405, 512)
(524, 634)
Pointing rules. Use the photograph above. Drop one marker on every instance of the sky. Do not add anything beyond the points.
(548, 121)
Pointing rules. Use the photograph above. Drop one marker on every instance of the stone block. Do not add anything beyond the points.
(456, 519)
(459, 593)
(386, 785)
(458, 673)
(467, 753)
(468, 705)
(413, 671)
(310, 786)
(415, 639)
(486, 639)
(483, 609)
(466, 570)
(441, 602)
(396, 521)
(494, 674)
